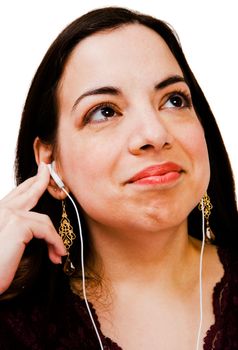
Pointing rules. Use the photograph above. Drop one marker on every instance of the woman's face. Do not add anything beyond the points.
(131, 148)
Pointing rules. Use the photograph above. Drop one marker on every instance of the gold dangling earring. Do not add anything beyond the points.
(206, 206)
(68, 236)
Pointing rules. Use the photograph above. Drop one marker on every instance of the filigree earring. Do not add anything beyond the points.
(68, 236)
(206, 206)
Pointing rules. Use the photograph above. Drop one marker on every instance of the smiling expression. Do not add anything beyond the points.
(131, 148)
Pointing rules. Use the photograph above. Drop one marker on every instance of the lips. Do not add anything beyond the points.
(160, 173)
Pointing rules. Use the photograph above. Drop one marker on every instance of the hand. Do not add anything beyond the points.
(18, 225)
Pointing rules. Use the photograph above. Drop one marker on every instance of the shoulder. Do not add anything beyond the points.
(52, 318)
(221, 266)
(224, 332)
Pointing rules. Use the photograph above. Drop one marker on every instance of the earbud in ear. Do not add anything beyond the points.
(55, 176)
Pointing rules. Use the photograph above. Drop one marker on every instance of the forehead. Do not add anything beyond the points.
(123, 55)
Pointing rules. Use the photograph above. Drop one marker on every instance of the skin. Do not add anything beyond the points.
(16, 208)
(139, 230)
(146, 130)
(144, 225)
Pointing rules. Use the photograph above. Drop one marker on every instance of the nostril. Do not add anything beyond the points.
(145, 147)
(148, 146)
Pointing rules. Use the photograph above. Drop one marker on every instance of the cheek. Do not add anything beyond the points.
(192, 139)
(80, 169)
(198, 147)
(86, 166)
(195, 144)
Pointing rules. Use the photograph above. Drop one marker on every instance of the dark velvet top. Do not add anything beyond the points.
(53, 318)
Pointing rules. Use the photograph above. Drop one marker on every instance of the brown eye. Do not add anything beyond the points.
(178, 100)
(101, 114)
(107, 112)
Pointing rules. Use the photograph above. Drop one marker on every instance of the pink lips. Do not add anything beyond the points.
(157, 174)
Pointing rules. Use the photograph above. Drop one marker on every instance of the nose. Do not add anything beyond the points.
(150, 133)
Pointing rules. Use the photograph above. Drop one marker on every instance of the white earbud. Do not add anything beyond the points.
(55, 176)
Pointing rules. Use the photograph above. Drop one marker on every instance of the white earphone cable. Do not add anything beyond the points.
(84, 284)
(83, 270)
(200, 279)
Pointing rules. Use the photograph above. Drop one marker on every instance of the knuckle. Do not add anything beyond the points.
(33, 196)
(6, 213)
(46, 218)
(37, 188)
(48, 222)
(48, 229)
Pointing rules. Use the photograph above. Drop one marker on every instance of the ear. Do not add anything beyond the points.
(44, 153)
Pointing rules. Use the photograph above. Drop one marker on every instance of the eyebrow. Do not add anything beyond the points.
(111, 90)
(169, 81)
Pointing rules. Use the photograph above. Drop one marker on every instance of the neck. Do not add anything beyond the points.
(144, 257)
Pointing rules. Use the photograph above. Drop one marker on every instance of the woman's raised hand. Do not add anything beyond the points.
(18, 225)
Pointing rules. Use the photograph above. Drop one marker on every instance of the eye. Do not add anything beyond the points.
(101, 113)
(178, 100)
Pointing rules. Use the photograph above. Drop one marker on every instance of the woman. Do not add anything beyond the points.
(115, 105)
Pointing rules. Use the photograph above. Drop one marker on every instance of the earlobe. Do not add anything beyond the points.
(55, 191)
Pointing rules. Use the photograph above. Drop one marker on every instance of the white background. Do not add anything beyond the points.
(208, 31)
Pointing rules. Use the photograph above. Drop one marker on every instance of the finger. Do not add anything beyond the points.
(10, 259)
(40, 226)
(22, 226)
(18, 232)
(24, 185)
(19, 189)
(13, 243)
(29, 195)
